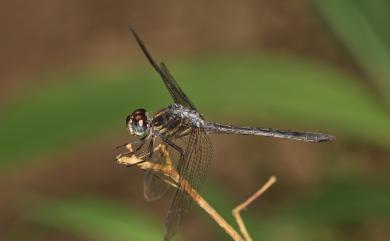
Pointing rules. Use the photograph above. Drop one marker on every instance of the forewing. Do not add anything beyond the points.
(192, 168)
(174, 89)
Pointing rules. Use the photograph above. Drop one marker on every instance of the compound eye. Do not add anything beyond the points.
(137, 122)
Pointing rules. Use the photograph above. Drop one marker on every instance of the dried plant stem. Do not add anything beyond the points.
(212, 212)
(236, 211)
(170, 172)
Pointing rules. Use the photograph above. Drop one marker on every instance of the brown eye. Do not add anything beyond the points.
(139, 116)
(137, 122)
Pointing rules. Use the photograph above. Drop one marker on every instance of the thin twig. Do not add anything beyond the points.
(236, 211)
(169, 171)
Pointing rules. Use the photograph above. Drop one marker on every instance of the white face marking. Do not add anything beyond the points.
(140, 123)
(130, 126)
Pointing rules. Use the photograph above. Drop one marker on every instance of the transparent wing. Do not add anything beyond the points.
(174, 89)
(192, 166)
(155, 186)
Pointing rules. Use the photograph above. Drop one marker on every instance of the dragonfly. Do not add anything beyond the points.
(185, 133)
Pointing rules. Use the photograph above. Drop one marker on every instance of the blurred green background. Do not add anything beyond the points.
(70, 72)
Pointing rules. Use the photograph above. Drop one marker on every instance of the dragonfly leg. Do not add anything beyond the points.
(131, 152)
(124, 154)
(142, 141)
(174, 146)
(150, 149)
(165, 153)
(178, 149)
(146, 155)
(127, 143)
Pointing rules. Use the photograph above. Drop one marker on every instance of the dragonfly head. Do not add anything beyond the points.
(138, 123)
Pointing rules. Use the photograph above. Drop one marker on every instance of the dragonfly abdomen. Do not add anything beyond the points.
(217, 128)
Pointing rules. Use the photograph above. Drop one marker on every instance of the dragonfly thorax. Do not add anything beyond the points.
(191, 116)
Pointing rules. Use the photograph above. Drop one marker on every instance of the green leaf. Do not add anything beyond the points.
(312, 215)
(95, 219)
(362, 25)
(343, 201)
